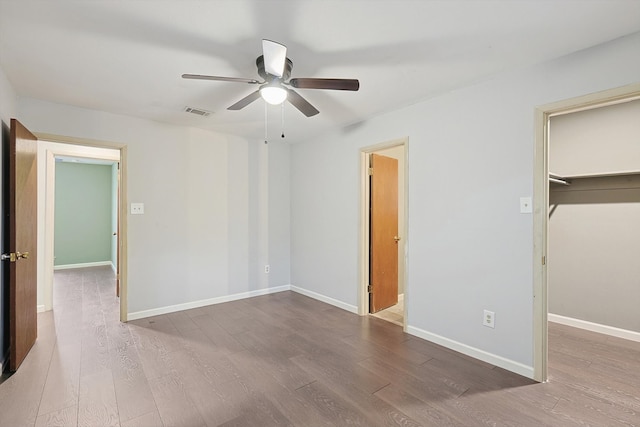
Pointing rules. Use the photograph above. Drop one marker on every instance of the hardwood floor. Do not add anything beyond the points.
(288, 360)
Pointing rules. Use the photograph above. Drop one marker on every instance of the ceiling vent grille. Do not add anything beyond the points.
(197, 111)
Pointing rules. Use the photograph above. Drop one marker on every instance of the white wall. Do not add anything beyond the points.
(471, 159)
(195, 239)
(597, 141)
(8, 102)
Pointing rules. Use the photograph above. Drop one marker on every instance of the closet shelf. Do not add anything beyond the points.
(566, 180)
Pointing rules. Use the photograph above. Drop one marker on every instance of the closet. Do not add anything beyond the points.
(594, 218)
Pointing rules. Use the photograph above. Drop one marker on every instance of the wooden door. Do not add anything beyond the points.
(383, 237)
(21, 256)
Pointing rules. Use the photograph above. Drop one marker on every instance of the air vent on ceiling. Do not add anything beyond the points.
(197, 111)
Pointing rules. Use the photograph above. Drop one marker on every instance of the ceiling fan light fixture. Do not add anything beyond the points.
(274, 95)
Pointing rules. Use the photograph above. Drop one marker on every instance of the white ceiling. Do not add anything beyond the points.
(126, 57)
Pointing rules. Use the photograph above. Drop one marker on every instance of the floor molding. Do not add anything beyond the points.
(509, 365)
(205, 302)
(326, 299)
(82, 265)
(595, 327)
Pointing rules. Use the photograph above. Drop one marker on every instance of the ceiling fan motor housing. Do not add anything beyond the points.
(288, 65)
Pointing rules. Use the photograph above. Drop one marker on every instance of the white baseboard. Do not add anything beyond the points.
(41, 308)
(83, 265)
(205, 302)
(509, 365)
(323, 298)
(114, 268)
(595, 327)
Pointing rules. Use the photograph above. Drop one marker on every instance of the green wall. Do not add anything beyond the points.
(83, 210)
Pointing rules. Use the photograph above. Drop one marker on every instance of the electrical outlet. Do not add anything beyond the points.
(489, 319)
(137, 208)
(266, 269)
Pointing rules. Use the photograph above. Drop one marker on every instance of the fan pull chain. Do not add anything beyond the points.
(282, 120)
(265, 123)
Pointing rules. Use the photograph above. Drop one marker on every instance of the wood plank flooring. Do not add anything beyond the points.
(288, 360)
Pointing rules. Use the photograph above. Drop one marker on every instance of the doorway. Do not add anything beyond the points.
(541, 207)
(393, 153)
(50, 150)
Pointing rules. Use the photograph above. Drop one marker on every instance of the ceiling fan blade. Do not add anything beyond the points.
(333, 84)
(245, 101)
(301, 104)
(275, 55)
(222, 79)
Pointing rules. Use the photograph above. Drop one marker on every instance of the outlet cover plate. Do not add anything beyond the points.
(137, 208)
(489, 319)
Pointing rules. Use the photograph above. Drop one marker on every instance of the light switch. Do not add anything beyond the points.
(526, 205)
(137, 208)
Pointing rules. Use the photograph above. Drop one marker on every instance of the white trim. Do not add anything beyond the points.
(325, 299)
(114, 268)
(595, 327)
(491, 358)
(41, 308)
(82, 265)
(205, 302)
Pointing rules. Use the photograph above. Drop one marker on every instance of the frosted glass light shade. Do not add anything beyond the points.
(274, 95)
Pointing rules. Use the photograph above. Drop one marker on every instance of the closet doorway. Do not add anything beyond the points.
(383, 244)
(594, 206)
(586, 188)
(52, 153)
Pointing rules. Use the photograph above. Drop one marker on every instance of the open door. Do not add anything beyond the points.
(383, 251)
(22, 231)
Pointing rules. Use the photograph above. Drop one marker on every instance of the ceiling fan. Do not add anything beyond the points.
(275, 68)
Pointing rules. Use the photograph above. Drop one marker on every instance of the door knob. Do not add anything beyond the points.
(15, 256)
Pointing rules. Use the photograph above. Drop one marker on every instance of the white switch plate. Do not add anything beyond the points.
(526, 205)
(137, 208)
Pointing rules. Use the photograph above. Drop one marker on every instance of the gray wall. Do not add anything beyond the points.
(470, 160)
(204, 232)
(594, 228)
(594, 248)
(83, 213)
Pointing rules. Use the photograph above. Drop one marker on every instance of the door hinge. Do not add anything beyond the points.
(370, 171)
(369, 288)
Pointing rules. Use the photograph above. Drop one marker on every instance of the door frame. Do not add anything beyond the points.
(541, 207)
(87, 149)
(363, 296)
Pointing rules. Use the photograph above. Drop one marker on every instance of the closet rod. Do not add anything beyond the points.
(558, 181)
